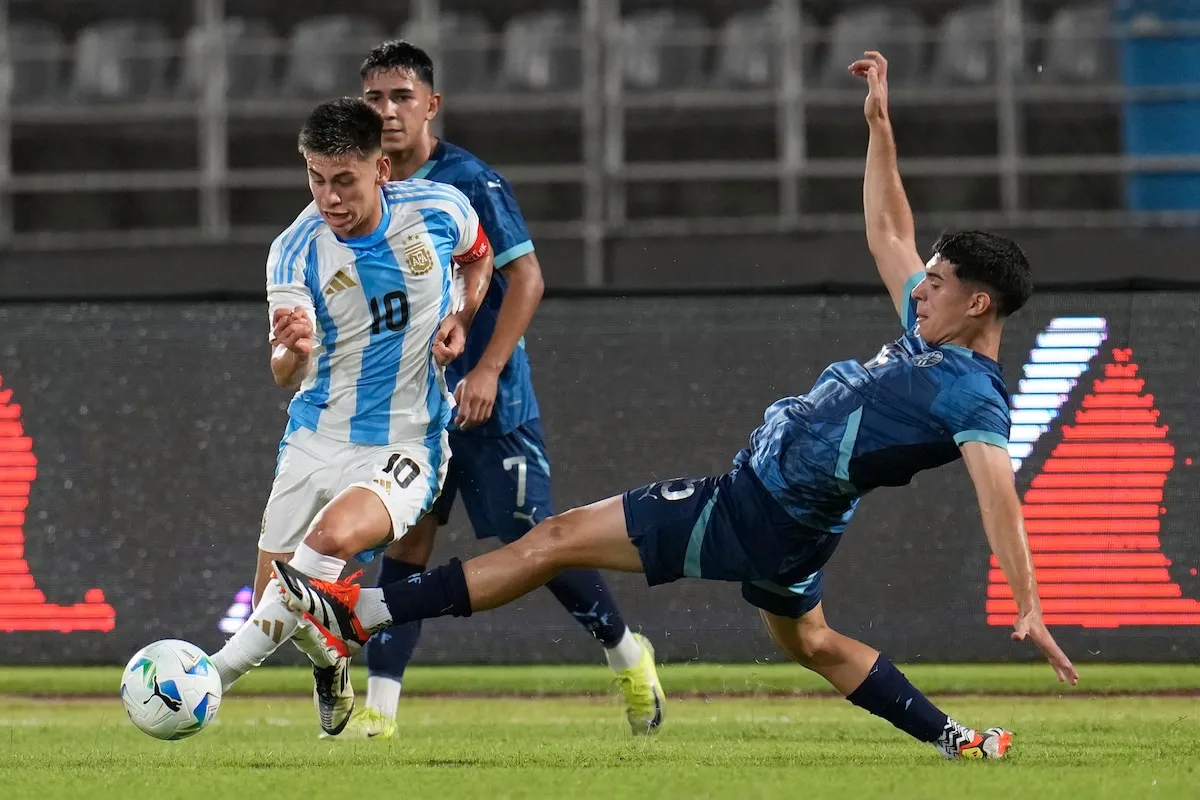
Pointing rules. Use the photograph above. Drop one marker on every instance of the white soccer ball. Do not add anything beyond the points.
(170, 689)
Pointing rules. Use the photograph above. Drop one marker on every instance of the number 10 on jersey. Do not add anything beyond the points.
(390, 312)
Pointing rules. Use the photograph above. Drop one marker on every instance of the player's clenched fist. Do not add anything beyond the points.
(449, 341)
(293, 329)
(873, 67)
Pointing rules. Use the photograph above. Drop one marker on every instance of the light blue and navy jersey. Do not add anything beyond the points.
(863, 426)
(501, 218)
(376, 302)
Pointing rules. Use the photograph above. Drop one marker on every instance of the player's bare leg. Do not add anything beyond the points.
(870, 681)
(592, 536)
(810, 642)
(354, 521)
(388, 652)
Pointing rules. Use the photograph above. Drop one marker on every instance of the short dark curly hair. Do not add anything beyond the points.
(399, 55)
(339, 127)
(994, 262)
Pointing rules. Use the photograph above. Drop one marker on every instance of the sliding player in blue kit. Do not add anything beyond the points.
(498, 460)
(932, 396)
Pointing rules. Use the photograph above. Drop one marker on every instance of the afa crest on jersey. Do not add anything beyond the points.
(930, 359)
(417, 255)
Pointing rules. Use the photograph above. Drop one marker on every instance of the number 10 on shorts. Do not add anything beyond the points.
(403, 469)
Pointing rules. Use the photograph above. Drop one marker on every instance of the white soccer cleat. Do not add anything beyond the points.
(333, 695)
(960, 742)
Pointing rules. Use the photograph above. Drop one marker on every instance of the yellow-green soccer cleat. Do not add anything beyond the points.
(366, 723)
(644, 698)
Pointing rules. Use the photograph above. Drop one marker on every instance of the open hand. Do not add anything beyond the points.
(476, 396)
(1030, 626)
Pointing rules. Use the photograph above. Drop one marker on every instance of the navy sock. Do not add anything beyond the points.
(390, 650)
(439, 592)
(887, 693)
(585, 595)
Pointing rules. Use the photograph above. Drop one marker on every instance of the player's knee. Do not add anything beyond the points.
(808, 641)
(333, 535)
(548, 542)
(812, 644)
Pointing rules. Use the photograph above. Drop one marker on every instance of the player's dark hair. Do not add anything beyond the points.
(339, 127)
(992, 261)
(399, 55)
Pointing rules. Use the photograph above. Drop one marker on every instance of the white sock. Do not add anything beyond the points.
(372, 610)
(627, 653)
(314, 565)
(271, 624)
(383, 695)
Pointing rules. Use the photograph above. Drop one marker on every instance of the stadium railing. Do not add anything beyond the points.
(674, 123)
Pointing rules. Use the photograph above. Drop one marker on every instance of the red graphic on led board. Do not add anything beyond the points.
(1094, 514)
(23, 606)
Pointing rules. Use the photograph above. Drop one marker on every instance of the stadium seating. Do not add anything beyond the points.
(746, 54)
(38, 52)
(896, 31)
(463, 63)
(662, 50)
(965, 48)
(122, 60)
(249, 57)
(325, 54)
(541, 52)
(1079, 46)
(296, 55)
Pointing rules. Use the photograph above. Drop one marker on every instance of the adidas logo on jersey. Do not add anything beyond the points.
(340, 281)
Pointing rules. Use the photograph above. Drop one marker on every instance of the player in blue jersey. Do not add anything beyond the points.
(499, 465)
(361, 295)
(929, 398)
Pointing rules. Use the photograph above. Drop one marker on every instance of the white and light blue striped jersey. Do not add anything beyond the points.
(376, 302)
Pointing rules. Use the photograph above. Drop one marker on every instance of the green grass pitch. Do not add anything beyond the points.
(743, 731)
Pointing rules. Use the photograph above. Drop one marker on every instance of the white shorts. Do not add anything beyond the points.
(313, 469)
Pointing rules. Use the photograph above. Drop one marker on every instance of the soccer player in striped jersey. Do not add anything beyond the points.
(499, 464)
(364, 313)
(931, 397)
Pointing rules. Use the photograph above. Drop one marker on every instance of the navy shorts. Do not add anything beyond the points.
(729, 528)
(504, 481)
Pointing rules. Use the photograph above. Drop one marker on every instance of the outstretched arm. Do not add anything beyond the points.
(991, 472)
(891, 234)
